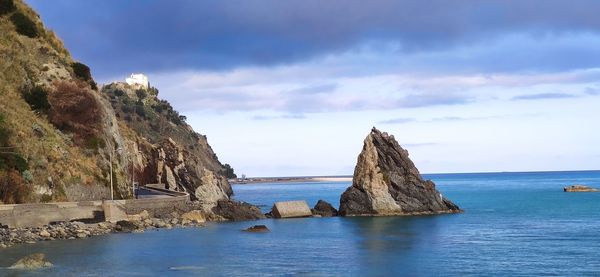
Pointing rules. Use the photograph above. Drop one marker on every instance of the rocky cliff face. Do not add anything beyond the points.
(58, 131)
(166, 149)
(386, 182)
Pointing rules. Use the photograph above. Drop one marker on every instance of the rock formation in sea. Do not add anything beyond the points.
(579, 188)
(386, 182)
(324, 209)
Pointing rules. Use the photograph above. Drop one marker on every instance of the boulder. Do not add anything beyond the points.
(194, 216)
(139, 217)
(258, 229)
(386, 182)
(237, 211)
(126, 226)
(579, 188)
(290, 209)
(324, 209)
(33, 261)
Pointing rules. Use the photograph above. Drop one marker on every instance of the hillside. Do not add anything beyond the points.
(58, 131)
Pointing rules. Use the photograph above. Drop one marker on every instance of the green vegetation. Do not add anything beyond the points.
(94, 143)
(12, 169)
(24, 25)
(227, 171)
(37, 98)
(6, 6)
(82, 72)
(141, 94)
(163, 107)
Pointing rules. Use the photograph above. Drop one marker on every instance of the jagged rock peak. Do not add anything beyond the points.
(386, 182)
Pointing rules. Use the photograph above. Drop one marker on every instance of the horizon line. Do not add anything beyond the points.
(436, 173)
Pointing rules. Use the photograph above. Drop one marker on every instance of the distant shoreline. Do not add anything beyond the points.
(348, 178)
(291, 180)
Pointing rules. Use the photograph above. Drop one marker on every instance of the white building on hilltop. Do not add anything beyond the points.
(138, 80)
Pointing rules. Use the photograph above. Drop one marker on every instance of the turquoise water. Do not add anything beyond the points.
(514, 224)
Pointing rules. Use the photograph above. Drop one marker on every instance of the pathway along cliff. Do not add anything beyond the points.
(386, 182)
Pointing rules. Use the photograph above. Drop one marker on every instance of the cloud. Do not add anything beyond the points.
(218, 35)
(543, 96)
(401, 120)
(272, 117)
(448, 119)
(592, 91)
(314, 89)
(432, 99)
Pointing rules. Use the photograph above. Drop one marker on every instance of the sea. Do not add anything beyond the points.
(514, 224)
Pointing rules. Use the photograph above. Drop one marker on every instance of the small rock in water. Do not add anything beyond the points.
(324, 209)
(33, 261)
(258, 229)
(579, 188)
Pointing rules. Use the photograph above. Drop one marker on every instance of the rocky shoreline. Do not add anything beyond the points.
(195, 215)
(80, 230)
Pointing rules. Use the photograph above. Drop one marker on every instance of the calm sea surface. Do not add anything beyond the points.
(514, 224)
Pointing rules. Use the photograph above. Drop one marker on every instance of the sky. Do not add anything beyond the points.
(292, 88)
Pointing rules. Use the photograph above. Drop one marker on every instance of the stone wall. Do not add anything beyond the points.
(36, 215)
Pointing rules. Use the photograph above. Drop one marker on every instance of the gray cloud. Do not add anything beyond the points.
(543, 96)
(127, 36)
(592, 91)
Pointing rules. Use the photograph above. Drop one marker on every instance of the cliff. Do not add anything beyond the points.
(58, 131)
(386, 182)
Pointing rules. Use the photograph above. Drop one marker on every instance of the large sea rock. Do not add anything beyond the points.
(386, 182)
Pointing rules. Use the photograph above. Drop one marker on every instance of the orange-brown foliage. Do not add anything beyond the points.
(13, 189)
(75, 109)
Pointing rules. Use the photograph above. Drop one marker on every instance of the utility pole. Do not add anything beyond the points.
(112, 197)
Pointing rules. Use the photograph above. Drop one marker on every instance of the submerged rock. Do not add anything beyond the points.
(386, 182)
(33, 261)
(324, 209)
(579, 188)
(258, 229)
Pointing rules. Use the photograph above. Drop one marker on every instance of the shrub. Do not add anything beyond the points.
(81, 71)
(27, 176)
(24, 25)
(141, 94)
(13, 189)
(119, 92)
(37, 98)
(140, 109)
(74, 108)
(6, 6)
(95, 143)
(4, 132)
(227, 171)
